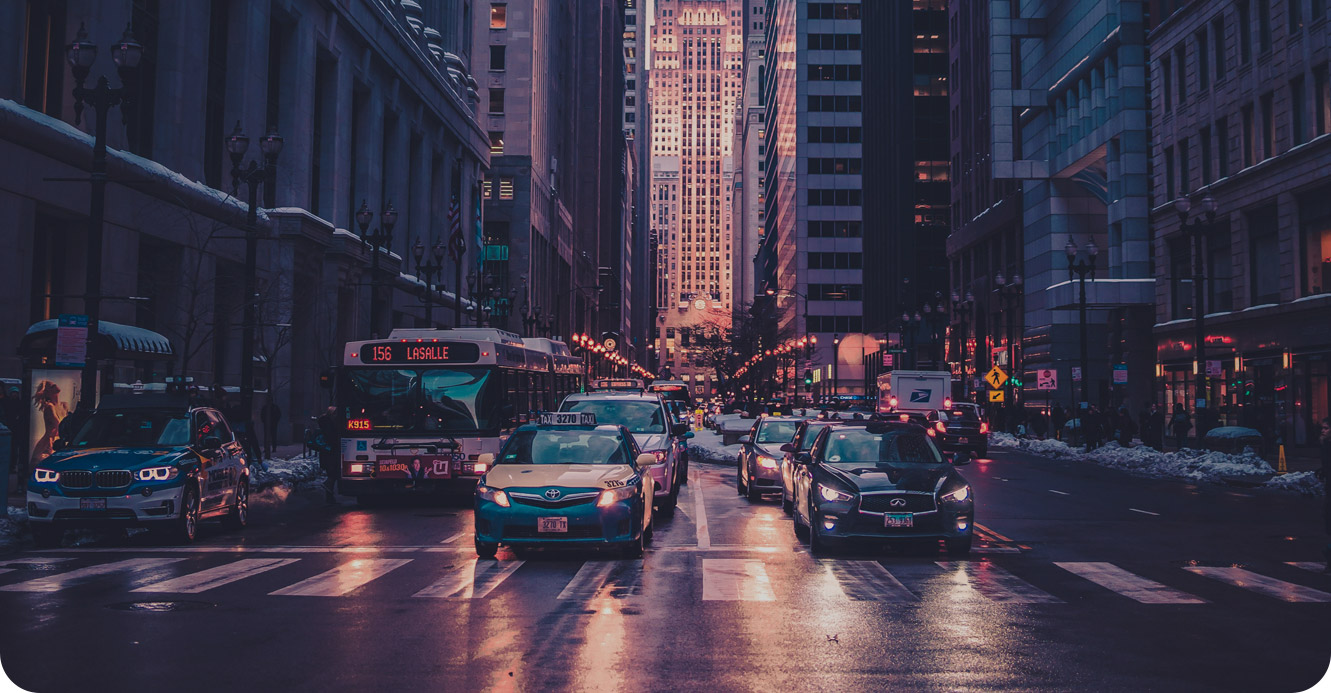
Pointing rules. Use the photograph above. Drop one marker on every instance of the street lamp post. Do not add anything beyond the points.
(81, 54)
(934, 317)
(378, 239)
(836, 361)
(253, 176)
(430, 269)
(1080, 269)
(909, 324)
(1196, 228)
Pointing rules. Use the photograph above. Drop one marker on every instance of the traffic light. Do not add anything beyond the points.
(1016, 382)
(808, 379)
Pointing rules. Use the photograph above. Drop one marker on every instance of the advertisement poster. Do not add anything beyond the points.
(54, 394)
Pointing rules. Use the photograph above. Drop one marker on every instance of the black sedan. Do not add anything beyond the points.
(883, 481)
(960, 428)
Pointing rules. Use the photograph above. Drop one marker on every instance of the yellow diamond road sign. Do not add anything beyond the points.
(995, 395)
(995, 377)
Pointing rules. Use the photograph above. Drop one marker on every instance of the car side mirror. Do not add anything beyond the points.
(646, 459)
(788, 447)
(746, 439)
(679, 429)
(59, 444)
(961, 458)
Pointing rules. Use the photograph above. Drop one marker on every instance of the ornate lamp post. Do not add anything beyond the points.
(1080, 269)
(379, 238)
(1196, 228)
(429, 270)
(81, 54)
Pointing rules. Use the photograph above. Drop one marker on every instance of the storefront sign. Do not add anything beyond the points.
(71, 341)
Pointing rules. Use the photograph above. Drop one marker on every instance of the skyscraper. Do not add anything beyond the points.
(697, 51)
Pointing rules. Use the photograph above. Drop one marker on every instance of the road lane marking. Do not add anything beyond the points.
(1261, 584)
(342, 579)
(985, 529)
(868, 581)
(1114, 578)
(1308, 565)
(1144, 512)
(589, 579)
(205, 580)
(42, 560)
(54, 583)
(454, 538)
(6, 570)
(736, 579)
(700, 514)
(1061, 493)
(996, 584)
(475, 579)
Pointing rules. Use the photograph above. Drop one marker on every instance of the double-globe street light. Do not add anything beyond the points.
(1080, 269)
(429, 271)
(1196, 228)
(378, 238)
(81, 54)
(254, 176)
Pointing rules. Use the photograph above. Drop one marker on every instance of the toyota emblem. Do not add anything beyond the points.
(898, 502)
(552, 494)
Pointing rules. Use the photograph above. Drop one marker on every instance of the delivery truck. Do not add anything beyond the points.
(910, 391)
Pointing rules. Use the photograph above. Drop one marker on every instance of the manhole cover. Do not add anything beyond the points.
(157, 607)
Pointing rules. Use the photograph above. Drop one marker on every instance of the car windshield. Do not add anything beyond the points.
(810, 434)
(565, 447)
(777, 432)
(438, 400)
(893, 446)
(639, 416)
(117, 429)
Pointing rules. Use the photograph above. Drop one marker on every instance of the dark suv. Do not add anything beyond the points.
(960, 428)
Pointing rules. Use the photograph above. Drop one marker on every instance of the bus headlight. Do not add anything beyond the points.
(494, 495)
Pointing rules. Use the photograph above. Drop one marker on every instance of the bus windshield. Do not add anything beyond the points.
(433, 400)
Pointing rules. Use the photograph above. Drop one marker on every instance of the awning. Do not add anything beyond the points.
(116, 342)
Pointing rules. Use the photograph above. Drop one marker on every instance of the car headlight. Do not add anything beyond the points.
(958, 496)
(494, 495)
(832, 495)
(766, 462)
(45, 475)
(157, 473)
(611, 496)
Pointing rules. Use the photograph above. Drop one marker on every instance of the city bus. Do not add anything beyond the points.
(417, 409)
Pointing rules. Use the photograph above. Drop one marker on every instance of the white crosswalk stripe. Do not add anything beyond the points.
(590, 578)
(996, 584)
(55, 583)
(1133, 586)
(1261, 584)
(1308, 565)
(868, 581)
(614, 579)
(342, 579)
(35, 560)
(211, 578)
(736, 579)
(474, 579)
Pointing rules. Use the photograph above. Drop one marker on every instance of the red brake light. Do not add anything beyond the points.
(947, 402)
(941, 428)
(984, 427)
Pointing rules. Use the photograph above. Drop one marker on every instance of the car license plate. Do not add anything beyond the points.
(963, 440)
(899, 520)
(552, 524)
(92, 504)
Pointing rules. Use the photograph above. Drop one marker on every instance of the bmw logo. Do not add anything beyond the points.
(898, 502)
(552, 494)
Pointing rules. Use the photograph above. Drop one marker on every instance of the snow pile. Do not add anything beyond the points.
(286, 472)
(12, 527)
(1194, 465)
(706, 447)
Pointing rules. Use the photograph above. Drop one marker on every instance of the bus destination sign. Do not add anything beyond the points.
(420, 352)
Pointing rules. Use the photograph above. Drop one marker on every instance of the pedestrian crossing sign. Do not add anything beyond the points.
(995, 395)
(995, 377)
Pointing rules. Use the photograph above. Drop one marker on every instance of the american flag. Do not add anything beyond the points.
(457, 245)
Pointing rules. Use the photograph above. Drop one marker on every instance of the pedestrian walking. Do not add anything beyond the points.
(1179, 424)
(1092, 427)
(271, 415)
(330, 452)
(1153, 428)
(1127, 428)
(1326, 497)
(1058, 417)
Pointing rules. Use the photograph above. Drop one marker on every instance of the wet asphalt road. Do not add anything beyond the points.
(1083, 579)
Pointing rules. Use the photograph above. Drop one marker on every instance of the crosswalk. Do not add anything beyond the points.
(711, 579)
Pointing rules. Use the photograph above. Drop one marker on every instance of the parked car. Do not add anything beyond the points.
(760, 458)
(142, 460)
(881, 481)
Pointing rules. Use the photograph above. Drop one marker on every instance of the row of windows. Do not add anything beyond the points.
(836, 261)
(834, 229)
(843, 324)
(834, 73)
(838, 198)
(835, 104)
(850, 166)
(835, 135)
(834, 42)
(834, 10)
(836, 292)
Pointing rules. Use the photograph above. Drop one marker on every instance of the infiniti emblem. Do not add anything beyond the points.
(898, 502)
(552, 494)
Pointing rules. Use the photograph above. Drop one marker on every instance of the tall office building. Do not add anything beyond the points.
(749, 150)
(697, 50)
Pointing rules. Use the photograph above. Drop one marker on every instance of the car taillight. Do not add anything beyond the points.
(941, 428)
(931, 433)
(984, 427)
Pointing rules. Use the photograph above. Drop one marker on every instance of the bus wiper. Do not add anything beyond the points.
(433, 446)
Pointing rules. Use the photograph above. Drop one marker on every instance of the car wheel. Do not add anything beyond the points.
(186, 527)
(683, 470)
(787, 505)
(817, 545)
(739, 479)
(752, 494)
(240, 512)
(486, 549)
(960, 546)
(46, 537)
(801, 532)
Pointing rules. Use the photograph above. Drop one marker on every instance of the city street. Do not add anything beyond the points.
(1083, 579)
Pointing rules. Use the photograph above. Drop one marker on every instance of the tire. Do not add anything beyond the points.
(239, 516)
(667, 507)
(46, 537)
(817, 546)
(739, 479)
(801, 532)
(485, 549)
(684, 470)
(752, 494)
(185, 528)
(960, 546)
(788, 506)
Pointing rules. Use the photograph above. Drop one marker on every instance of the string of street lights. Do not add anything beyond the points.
(786, 347)
(595, 349)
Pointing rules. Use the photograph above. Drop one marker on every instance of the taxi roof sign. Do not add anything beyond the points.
(567, 418)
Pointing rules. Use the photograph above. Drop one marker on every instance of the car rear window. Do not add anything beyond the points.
(959, 415)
